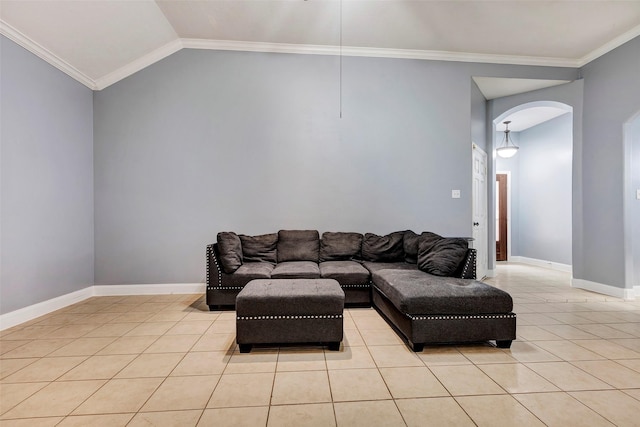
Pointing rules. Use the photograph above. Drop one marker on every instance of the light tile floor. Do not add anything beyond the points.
(167, 361)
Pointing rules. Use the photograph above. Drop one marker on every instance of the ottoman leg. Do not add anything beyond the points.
(334, 346)
(245, 348)
(503, 344)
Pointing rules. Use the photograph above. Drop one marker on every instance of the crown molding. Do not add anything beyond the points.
(376, 52)
(608, 47)
(139, 64)
(45, 54)
(168, 49)
(435, 55)
(242, 46)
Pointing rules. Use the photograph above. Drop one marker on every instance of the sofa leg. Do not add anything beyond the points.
(334, 346)
(417, 347)
(245, 348)
(212, 307)
(503, 343)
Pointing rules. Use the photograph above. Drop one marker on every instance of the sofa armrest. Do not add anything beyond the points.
(214, 272)
(468, 267)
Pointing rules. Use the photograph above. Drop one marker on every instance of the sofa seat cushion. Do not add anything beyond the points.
(345, 272)
(419, 293)
(296, 270)
(376, 266)
(246, 273)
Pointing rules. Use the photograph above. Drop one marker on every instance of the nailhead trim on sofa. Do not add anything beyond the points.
(464, 317)
(466, 274)
(316, 316)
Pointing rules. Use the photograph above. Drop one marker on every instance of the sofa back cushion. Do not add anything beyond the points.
(441, 256)
(259, 248)
(340, 246)
(410, 244)
(387, 248)
(230, 250)
(298, 245)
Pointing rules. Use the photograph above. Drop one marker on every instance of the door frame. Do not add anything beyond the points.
(508, 174)
(487, 272)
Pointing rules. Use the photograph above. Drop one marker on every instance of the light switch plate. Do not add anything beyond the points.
(638, 194)
(455, 194)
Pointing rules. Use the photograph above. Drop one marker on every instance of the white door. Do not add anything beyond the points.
(480, 210)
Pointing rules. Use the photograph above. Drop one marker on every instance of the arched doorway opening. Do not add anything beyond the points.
(536, 186)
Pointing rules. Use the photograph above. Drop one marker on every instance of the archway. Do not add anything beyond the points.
(631, 205)
(541, 177)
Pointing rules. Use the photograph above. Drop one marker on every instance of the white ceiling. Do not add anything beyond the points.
(99, 42)
(496, 87)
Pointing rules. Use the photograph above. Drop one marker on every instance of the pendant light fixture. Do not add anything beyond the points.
(508, 148)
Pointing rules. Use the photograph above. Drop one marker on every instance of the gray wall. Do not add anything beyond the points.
(478, 117)
(611, 97)
(541, 183)
(635, 203)
(206, 141)
(47, 181)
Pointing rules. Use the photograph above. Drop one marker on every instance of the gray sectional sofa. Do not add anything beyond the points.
(424, 285)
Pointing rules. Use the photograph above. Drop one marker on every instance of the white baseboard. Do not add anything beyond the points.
(542, 263)
(614, 291)
(154, 289)
(25, 314)
(491, 273)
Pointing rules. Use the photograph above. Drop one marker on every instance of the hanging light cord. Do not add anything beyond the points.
(340, 58)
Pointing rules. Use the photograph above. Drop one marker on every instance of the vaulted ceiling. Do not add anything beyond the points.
(99, 42)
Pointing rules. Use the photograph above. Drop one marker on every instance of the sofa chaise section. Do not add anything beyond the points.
(432, 309)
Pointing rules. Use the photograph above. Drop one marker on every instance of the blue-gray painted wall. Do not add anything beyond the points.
(46, 219)
(635, 203)
(207, 141)
(541, 191)
(168, 136)
(611, 98)
(478, 117)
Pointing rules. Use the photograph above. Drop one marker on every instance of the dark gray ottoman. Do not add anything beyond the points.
(273, 311)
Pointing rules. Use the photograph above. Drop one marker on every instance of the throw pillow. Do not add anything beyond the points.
(259, 248)
(230, 249)
(340, 246)
(298, 245)
(410, 244)
(383, 248)
(442, 257)
(427, 240)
